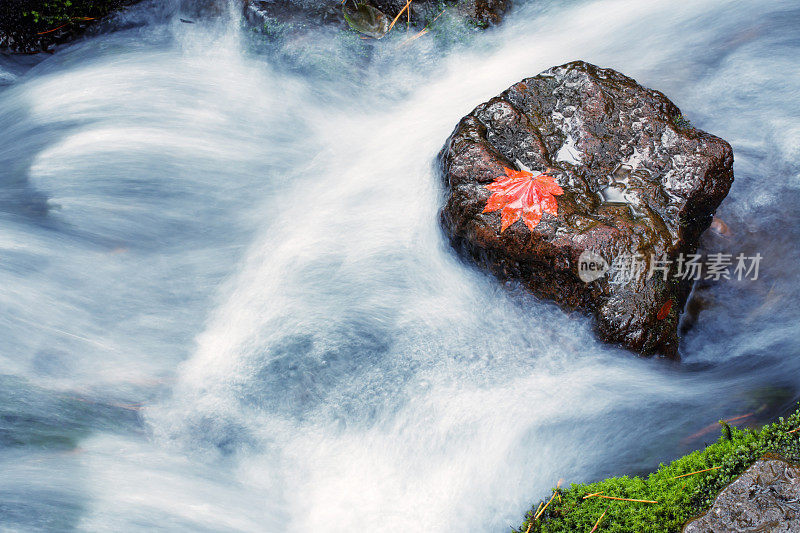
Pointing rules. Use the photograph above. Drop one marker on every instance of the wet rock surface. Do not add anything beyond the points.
(638, 180)
(481, 12)
(766, 498)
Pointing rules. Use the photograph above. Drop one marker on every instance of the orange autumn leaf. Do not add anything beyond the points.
(521, 194)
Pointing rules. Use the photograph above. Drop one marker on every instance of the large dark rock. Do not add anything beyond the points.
(765, 498)
(637, 179)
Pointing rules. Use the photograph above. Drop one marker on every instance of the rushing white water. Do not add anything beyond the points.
(227, 304)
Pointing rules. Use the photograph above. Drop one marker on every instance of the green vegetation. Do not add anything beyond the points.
(31, 26)
(53, 12)
(34, 25)
(682, 122)
(683, 489)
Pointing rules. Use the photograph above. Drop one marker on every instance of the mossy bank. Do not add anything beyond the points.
(669, 497)
(30, 26)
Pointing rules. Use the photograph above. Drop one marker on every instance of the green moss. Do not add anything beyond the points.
(679, 498)
(35, 25)
(58, 11)
(51, 13)
(682, 122)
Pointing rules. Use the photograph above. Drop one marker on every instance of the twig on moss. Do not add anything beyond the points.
(593, 494)
(538, 514)
(530, 524)
(597, 524)
(795, 430)
(698, 472)
(620, 499)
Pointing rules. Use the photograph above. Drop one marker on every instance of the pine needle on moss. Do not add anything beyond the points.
(597, 524)
(537, 515)
(624, 499)
(698, 472)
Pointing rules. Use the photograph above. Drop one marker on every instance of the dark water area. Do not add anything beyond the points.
(227, 304)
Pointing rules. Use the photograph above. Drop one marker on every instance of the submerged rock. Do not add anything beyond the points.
(370, 17)
(636, 185)
(338, 40)
(480, 12)
(273, 15)
(765, 498)
(366, 19)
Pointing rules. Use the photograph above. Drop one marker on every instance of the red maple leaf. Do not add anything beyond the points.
(521, 194)
(664, 311)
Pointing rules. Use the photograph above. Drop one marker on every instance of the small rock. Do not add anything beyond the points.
(765, 498)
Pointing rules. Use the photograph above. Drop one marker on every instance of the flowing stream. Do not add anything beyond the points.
(226, 303)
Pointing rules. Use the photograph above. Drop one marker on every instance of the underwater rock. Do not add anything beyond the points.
(638, 190)
(481, 12)
(288, 14)
(366, 19)
(371, 17)
(765, 498)
(485, 12)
